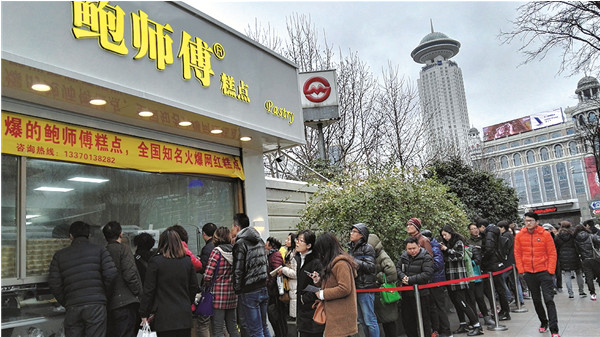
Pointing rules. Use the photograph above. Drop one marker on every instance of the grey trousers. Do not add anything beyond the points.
(87, 320)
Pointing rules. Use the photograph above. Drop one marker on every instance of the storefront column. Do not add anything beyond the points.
(256, 191)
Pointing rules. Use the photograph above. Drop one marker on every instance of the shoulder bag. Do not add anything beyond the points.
(388, 297)
(204, 307)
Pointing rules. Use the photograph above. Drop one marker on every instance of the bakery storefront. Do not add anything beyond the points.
(147, 113)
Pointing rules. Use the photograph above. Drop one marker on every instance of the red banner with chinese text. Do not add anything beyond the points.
(40, 138)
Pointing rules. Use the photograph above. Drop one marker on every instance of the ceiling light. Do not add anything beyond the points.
(185, 123)
(32, 216)
(245, 139)
(216, 131)
(41, 87)
(97, 101)
(88, 180)
(53, 189)
(146, 113)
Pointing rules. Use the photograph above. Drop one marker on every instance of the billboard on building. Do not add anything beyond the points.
(592, 177)
(506, 129)
(523, 124)
(548, 118)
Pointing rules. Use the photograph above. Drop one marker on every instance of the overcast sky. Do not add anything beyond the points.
(497, 87)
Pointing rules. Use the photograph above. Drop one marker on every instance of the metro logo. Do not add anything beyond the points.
(316, 89)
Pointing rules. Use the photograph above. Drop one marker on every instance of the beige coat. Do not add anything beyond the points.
(339, 292)
(289, 270)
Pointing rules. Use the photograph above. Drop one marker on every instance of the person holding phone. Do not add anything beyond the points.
(306, 264)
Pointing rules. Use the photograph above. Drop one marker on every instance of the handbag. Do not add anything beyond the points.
(204, 307)
(319, 315)
(146, 332)
(389, 296)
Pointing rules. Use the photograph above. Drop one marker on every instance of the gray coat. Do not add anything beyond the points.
(128, 284)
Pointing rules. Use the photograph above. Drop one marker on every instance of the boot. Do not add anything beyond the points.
(477, 331)
(462, 328)
(488, 320)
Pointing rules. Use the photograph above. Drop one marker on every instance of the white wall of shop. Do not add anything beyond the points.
(286, 200)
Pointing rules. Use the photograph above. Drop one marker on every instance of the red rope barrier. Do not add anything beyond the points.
(433, 285)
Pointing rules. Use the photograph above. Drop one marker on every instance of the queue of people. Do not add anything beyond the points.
(110, 291)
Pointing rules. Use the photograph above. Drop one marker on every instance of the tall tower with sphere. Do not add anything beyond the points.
(442, 96)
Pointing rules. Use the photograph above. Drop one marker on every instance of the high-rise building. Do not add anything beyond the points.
(442, 96)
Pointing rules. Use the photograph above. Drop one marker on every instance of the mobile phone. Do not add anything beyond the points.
(308, 272)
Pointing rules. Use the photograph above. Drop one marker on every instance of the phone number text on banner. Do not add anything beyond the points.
(40, 138)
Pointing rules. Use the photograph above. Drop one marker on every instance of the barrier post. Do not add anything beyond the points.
(419, 312)
(496, 327)
(516, 276)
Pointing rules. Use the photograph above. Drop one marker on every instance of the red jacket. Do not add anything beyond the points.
(535, 252)
(195, 261)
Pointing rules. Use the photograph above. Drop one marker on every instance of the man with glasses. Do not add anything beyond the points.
(364, 255)
(535, 256)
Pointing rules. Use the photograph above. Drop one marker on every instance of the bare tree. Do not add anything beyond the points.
(571, 27)
(265, 36)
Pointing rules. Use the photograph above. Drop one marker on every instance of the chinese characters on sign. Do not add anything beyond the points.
(99, 20)
(33, 137)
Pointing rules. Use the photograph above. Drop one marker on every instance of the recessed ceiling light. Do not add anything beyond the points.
(185, 123)
(245, 139)
(31, 216)
(53, 189)
(97, 101)
(41, 87)
(88, 180)
(146, 113)
(216, 131)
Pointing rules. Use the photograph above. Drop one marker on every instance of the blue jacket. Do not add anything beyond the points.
(439, 271)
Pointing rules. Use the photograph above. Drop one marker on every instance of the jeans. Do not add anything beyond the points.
(253, 306)
(225, 318)
(85, 320)
(569, 282)
(366, 314)
(541, 284)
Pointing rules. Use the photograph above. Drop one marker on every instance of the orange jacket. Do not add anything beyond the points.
(535, 252)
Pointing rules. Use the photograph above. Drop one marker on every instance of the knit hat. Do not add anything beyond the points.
(415, 222)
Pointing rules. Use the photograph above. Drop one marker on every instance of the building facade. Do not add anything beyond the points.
(442, 95)
(147, 113)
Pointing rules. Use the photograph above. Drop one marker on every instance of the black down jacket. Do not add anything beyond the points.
(249, 261)
(364, 255)
(584, 244)
(491, 259)
(82, 273)
(566, 251)
(419, 270)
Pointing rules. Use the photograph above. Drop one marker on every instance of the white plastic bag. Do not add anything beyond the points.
(146, 332)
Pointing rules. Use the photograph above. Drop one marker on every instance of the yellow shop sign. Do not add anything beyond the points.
(40, 138)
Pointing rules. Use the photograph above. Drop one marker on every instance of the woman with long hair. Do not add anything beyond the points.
(338, 290)
(170, 288)
(453, 248)
(289, 271)
(224, 297)
(306, 263)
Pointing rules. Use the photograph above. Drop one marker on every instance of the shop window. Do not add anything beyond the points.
(9, 216)
(517, 159)
(140, 201)
(558, 151)
(573, 148)
(530, 157)
(504, 162)
(544, 154)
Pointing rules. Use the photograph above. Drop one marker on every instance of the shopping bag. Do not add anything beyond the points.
(388, 297)
(319, 315)
(146, 332)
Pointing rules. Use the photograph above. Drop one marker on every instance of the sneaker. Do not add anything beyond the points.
(582, 294)
(593, 298)
(560, 290)
(555, 335)
(571, 296)
(503, 316)
(542, 329)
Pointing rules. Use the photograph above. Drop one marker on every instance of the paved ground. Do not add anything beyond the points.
(577, 317)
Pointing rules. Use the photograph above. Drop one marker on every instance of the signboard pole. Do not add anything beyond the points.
(321, 142)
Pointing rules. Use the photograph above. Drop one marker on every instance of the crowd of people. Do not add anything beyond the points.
(254, 283)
